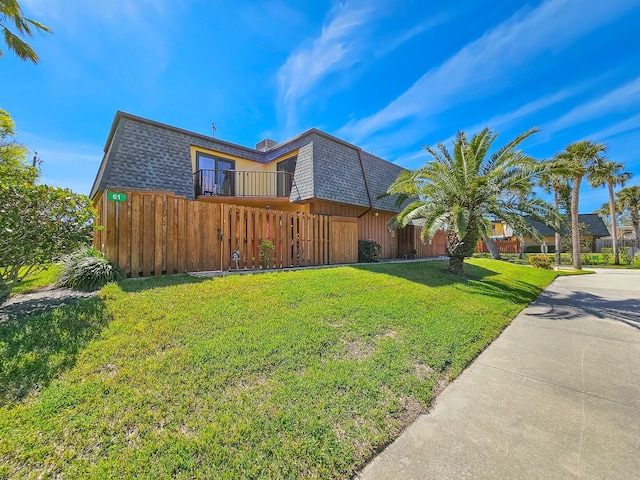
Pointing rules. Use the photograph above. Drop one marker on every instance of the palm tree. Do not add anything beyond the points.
(578, 158)
(458, 191)
(10, 12)
(555, 181)
(628, 200)
(610, 174)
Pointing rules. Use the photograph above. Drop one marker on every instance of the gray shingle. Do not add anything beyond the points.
(147, 155)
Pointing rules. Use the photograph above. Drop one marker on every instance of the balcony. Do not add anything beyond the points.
(242, 183)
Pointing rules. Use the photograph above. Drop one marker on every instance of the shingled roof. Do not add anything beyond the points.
(595, 226)
(148, 155)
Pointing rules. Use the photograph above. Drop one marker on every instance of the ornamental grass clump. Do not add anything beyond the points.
(87, 269)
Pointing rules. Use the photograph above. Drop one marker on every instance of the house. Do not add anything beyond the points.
(313, 174)
(596, 229)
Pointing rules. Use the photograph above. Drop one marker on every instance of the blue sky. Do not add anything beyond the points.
(387, 76)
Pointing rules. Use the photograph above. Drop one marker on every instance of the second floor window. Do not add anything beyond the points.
(285, 179)
(214, 175)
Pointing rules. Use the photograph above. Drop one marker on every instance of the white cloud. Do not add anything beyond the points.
(335, 49)
(347, 38)
(138, 27)
(484, 63)
(625, 126)
(625, 97)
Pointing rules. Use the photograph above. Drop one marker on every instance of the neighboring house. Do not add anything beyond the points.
(596, 229)
(500, 230)
(314, 173)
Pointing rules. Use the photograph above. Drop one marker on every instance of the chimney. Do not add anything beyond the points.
(265, 145)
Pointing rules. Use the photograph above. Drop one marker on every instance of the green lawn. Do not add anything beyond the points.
(588, 259)
(279, 375)
(38, 280)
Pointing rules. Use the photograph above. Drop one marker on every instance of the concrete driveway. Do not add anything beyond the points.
(556, 396)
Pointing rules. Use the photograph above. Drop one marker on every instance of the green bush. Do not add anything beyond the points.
(625, 255)
(368, 250)
(266, 251)
(565, 259)
(536, 249)
(606, 254)
(87, 269)
(585, 258)
(540, 261)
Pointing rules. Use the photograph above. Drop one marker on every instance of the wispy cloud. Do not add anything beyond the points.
(139, 25)
(348, 37)
(625, 97)
(411, 33)
(625, 126)
(483, 64)
(335, 49)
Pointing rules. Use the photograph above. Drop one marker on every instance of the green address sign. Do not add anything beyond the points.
(116, 197)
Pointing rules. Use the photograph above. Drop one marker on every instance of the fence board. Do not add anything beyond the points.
(124, 236)
(171, 240)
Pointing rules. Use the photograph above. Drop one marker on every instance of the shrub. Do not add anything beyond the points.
(606, 255)
(625, 255)
(536, 249)
(540, 261)
(266, 250)
(368, 250)
(586, 258)
(87, 269)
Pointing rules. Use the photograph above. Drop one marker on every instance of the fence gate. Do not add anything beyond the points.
(343, 240)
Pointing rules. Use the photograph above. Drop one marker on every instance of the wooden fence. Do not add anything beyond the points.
(154, 234)
(410, 243)
(503, 246)
(622, 243)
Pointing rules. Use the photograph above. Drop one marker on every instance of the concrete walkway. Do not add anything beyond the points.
(556, 396)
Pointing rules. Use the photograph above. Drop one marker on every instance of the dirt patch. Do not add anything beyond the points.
(412, 409)
(42, 300)
(423, 371)
(357, 349)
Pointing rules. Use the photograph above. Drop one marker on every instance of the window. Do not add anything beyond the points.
(286, 169)
(214, 175)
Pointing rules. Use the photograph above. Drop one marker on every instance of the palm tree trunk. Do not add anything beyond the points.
(614, 226)
(456, 265)
(556, 201)
(495, 254)
(575, 232)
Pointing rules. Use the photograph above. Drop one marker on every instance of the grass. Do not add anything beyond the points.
(38, 280)
(279, 375)
(566, 260)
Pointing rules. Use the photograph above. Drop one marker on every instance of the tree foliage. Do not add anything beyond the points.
(610, 174)
(628, 202)
(13, 167)
(459, 191)
(11, 15)
(38, 223)
(578, 158)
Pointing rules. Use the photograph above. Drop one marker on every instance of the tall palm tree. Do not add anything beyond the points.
(611, 174)
(555, 180)
(458, 191)
(628, 200)
(579, 158)
(10, 12)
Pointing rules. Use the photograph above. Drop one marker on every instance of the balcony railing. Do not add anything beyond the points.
(242, 183)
